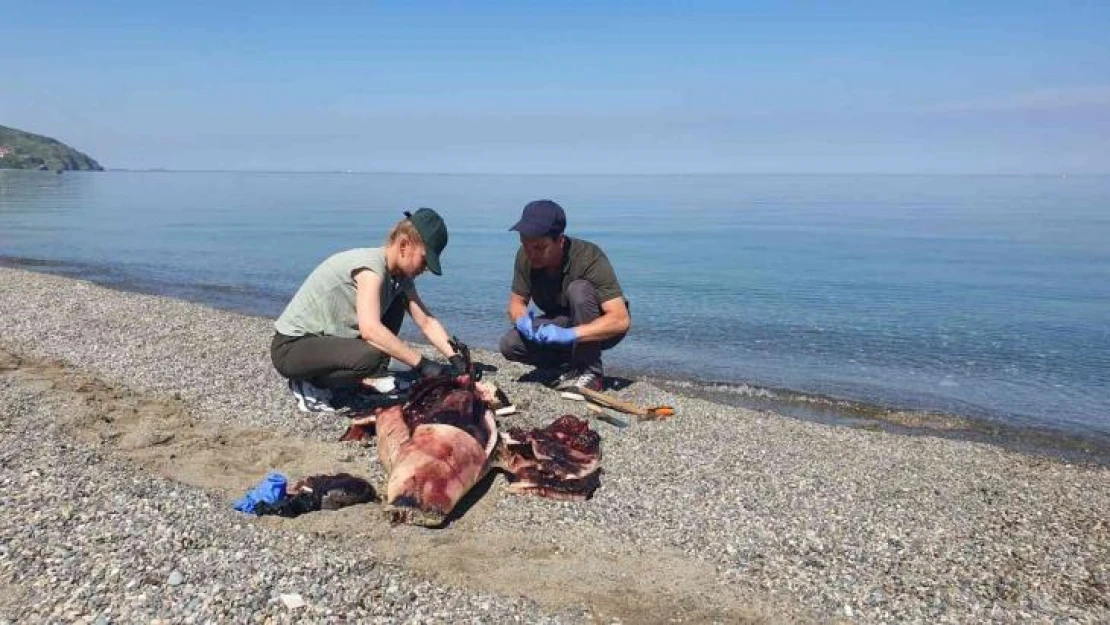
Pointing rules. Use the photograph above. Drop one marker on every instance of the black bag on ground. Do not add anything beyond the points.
(321, 492)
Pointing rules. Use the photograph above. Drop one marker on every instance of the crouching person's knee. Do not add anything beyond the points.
(581, 291)
(512, 346)
(370, 363)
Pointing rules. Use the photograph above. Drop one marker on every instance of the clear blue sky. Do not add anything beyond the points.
(546, 87)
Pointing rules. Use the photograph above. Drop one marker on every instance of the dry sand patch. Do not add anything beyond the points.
(162, 435)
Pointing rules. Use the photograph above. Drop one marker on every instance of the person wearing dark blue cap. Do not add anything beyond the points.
(572, 282)
(340, 329)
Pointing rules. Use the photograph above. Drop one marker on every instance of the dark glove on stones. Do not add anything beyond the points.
(459, 363)
(430, 368)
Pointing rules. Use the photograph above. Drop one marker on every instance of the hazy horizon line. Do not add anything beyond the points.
(604, 174)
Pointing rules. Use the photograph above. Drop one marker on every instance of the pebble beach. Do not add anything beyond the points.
(129, 424)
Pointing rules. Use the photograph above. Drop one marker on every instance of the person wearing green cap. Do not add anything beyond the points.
(340, 329)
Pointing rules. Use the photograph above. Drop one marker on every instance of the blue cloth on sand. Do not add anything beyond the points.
(269, 490)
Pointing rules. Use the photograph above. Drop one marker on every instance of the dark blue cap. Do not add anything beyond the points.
(541, 218)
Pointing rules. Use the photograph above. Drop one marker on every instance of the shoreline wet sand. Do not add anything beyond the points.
(1070, 441)
(1087, 447)
(130, 422)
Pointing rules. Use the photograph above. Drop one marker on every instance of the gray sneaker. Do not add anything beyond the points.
(574, 381)
(311, 398)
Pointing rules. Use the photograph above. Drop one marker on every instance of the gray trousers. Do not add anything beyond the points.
(332, 361)
(584, 308)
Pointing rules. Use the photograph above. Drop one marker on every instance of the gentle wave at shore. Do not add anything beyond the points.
(1077, 444)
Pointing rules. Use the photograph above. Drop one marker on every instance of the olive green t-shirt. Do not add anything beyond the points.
(325, 303)
(581, 260)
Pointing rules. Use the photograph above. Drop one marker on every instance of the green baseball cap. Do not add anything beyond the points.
(433, 232)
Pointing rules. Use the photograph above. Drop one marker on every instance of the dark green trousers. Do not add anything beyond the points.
(331, 361)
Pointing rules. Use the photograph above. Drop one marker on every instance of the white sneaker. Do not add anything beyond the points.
(311, 398)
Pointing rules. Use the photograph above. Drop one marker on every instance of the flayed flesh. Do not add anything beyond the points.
(560, 461)
(518, 463)
(560, 489)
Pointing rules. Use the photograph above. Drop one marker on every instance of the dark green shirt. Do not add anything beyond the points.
(581, 260)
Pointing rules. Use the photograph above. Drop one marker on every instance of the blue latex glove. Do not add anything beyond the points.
(269, 490)
(552, 334)
(525, 324)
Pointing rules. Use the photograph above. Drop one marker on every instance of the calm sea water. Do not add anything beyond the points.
(979, 296)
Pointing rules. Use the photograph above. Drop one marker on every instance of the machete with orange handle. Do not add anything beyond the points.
(616, 403)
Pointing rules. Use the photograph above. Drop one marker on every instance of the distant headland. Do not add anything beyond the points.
(24, 150)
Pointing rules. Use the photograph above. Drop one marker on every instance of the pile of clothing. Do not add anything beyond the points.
(274, 496)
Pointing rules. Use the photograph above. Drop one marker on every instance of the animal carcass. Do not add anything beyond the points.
(443, 440)
(435, 448)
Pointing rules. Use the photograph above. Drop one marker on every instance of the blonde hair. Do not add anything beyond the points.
(405, 229)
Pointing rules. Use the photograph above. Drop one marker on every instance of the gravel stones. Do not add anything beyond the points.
(718, 514)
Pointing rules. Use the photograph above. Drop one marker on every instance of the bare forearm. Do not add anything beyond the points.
(434, 331)
(604, 327)
(516, 309)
